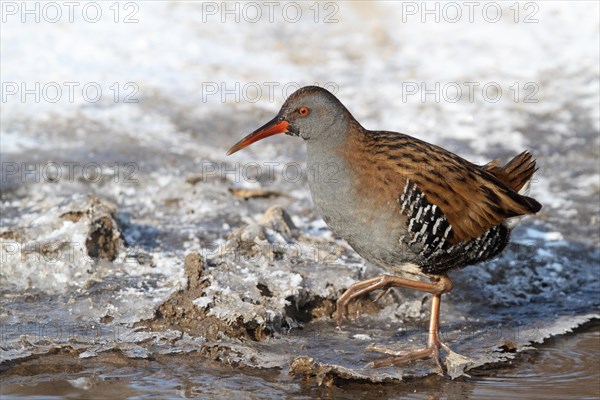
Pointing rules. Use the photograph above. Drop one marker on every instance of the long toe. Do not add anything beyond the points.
(404, 358)
(341, 311)
(376, 348)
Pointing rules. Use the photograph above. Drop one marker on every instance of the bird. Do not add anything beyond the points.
(413, 208)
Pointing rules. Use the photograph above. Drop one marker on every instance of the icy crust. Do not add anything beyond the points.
(269, 267)
(275, 283)
(53, 250)
(74, 251)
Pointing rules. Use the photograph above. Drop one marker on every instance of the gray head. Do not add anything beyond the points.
(311, 112)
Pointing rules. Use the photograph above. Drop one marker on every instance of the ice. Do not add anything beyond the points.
(547, 236)
(159, 256)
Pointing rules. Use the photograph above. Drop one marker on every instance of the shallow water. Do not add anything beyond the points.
(565, 367)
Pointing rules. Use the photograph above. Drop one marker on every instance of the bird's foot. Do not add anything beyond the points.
(438, 285)
(355, 291)
(402, 357)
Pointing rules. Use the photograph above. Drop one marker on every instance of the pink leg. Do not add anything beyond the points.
(437, 287)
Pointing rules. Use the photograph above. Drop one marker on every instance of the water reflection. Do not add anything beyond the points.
(566, 367)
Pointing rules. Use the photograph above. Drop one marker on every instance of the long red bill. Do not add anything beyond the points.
(271, 128)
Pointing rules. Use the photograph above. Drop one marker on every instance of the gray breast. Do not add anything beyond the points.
(365, 228)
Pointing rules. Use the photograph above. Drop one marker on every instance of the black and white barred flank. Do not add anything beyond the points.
(429, 235)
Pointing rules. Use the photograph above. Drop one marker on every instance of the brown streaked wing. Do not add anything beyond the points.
(472, 199)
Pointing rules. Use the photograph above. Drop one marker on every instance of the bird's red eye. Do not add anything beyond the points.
(304, 111)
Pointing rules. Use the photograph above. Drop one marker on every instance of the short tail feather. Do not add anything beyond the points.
(517, 175)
